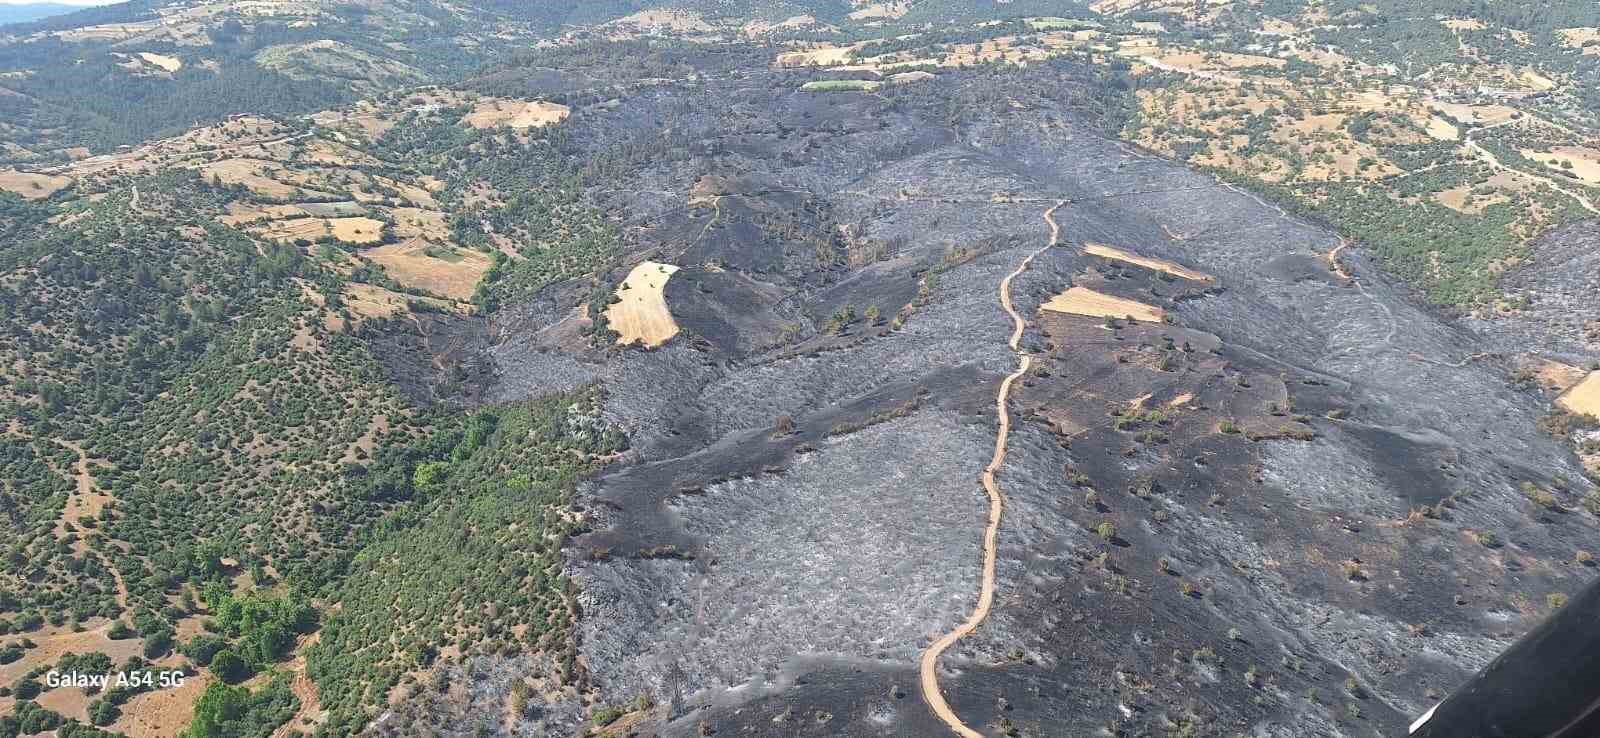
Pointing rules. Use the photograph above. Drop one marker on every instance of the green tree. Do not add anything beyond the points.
(229, 667)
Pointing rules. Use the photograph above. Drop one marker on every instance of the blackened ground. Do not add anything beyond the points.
(800, 514)
(1561, 319)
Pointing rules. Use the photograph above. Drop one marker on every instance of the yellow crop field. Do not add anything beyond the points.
(1084, 301)
(643, 315)
(1160, 265)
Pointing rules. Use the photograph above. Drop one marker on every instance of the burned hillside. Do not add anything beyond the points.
(1244, 489)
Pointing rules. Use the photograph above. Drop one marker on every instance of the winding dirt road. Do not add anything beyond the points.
(929, 663)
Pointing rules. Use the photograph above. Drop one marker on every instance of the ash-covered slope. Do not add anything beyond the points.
(1288, 509)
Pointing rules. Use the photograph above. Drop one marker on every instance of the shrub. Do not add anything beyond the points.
(202, 648)
(229, 667)
(784, 425)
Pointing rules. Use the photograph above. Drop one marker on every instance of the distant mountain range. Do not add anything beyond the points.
(33, 11)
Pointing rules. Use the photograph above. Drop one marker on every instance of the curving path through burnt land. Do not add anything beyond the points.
(929, 662)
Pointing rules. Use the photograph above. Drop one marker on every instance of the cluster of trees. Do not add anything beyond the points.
(482, 528)
(250, 632)
(225, 711)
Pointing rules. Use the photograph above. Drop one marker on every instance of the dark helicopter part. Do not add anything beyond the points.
(1547, 685)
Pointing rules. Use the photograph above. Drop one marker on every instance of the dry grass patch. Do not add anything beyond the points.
(1585, 162)
(1442, 129)
(1195, 61)
(417, 222)
(30, 185)
(68, 702)
(292, 229)
(242, 214)
(642, 314)
(255, 175)
(1084, 301)
(1160, 265)
(1584, 397)
(350, 230)
(866, 9)
(820, 56)
(1587, 39)
(1477, 114)
(166, 63)
(669, 20)
(1536, 80)
(53, 643)
(356, 230)
(494, 113)
(1462, 200)
(369, 301)
(446, 271)
(162, 713)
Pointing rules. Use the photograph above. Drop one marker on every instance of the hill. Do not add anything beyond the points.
(25, 12)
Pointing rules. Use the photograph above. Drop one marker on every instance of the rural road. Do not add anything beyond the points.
(929, 663)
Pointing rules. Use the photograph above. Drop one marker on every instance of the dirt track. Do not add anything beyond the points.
(929, 662)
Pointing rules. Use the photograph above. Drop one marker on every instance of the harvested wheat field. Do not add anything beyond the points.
(30, 185)
(642, 314)
(357, 230)
(1583, 398)
(446, 271)
(516, 114)
(1084, 301)
(1159, 265)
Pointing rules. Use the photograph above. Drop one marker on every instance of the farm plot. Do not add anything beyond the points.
(641, 313)
(1084, 301)
(1160, 265)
